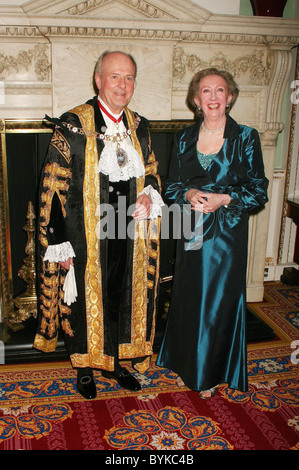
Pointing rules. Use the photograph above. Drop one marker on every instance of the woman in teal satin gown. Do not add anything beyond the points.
(216, 167)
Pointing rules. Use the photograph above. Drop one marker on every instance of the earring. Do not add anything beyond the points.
(228, 105)
(198, 108)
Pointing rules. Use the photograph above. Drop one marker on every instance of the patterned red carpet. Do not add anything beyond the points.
(40, 409)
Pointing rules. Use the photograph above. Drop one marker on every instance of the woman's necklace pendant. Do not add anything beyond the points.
(122, 157)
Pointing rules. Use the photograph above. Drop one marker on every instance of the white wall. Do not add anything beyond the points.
(225, 7)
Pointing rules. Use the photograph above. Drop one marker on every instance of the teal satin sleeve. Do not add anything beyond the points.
(252, 194)
(175, 193)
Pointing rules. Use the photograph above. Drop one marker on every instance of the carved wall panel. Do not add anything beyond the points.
(26, 77)
(74, 64)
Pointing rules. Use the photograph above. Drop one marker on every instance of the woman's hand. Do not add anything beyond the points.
(206, 202)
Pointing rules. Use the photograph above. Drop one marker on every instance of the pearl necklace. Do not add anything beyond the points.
(211, 131)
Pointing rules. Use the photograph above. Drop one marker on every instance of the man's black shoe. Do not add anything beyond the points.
(86, 387)
(124, 378)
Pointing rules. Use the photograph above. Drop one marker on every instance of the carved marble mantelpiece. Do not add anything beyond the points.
(48, 51)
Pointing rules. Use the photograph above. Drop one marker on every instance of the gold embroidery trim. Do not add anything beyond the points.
(139, 274)
(61, 144)
(55, 181)
(144, 232)
(154, 230)
(45, 345)
(93, 278)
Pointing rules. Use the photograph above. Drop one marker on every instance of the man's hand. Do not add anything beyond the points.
(66, 264)
(143, 207)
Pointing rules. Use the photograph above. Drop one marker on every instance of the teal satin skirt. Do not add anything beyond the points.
(205, 339)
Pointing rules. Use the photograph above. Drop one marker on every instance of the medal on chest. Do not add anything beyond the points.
(117, 138)
(121, 155)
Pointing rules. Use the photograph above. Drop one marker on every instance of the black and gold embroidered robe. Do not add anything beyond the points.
(71, 190)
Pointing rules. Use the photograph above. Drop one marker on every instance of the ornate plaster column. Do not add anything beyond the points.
(281, 61)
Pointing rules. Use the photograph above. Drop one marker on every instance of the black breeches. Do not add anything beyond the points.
(117, 259)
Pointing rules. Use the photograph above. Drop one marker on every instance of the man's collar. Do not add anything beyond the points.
(116, 116)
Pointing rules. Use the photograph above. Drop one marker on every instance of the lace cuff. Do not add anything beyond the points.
(61, 252)
(157, 201)
(69, 287)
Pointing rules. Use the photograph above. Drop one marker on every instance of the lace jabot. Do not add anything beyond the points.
(108, 164)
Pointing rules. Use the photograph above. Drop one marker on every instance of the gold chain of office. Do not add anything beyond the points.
(114, 138)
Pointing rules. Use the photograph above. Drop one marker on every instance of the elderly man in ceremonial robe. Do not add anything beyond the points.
(101, 289)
